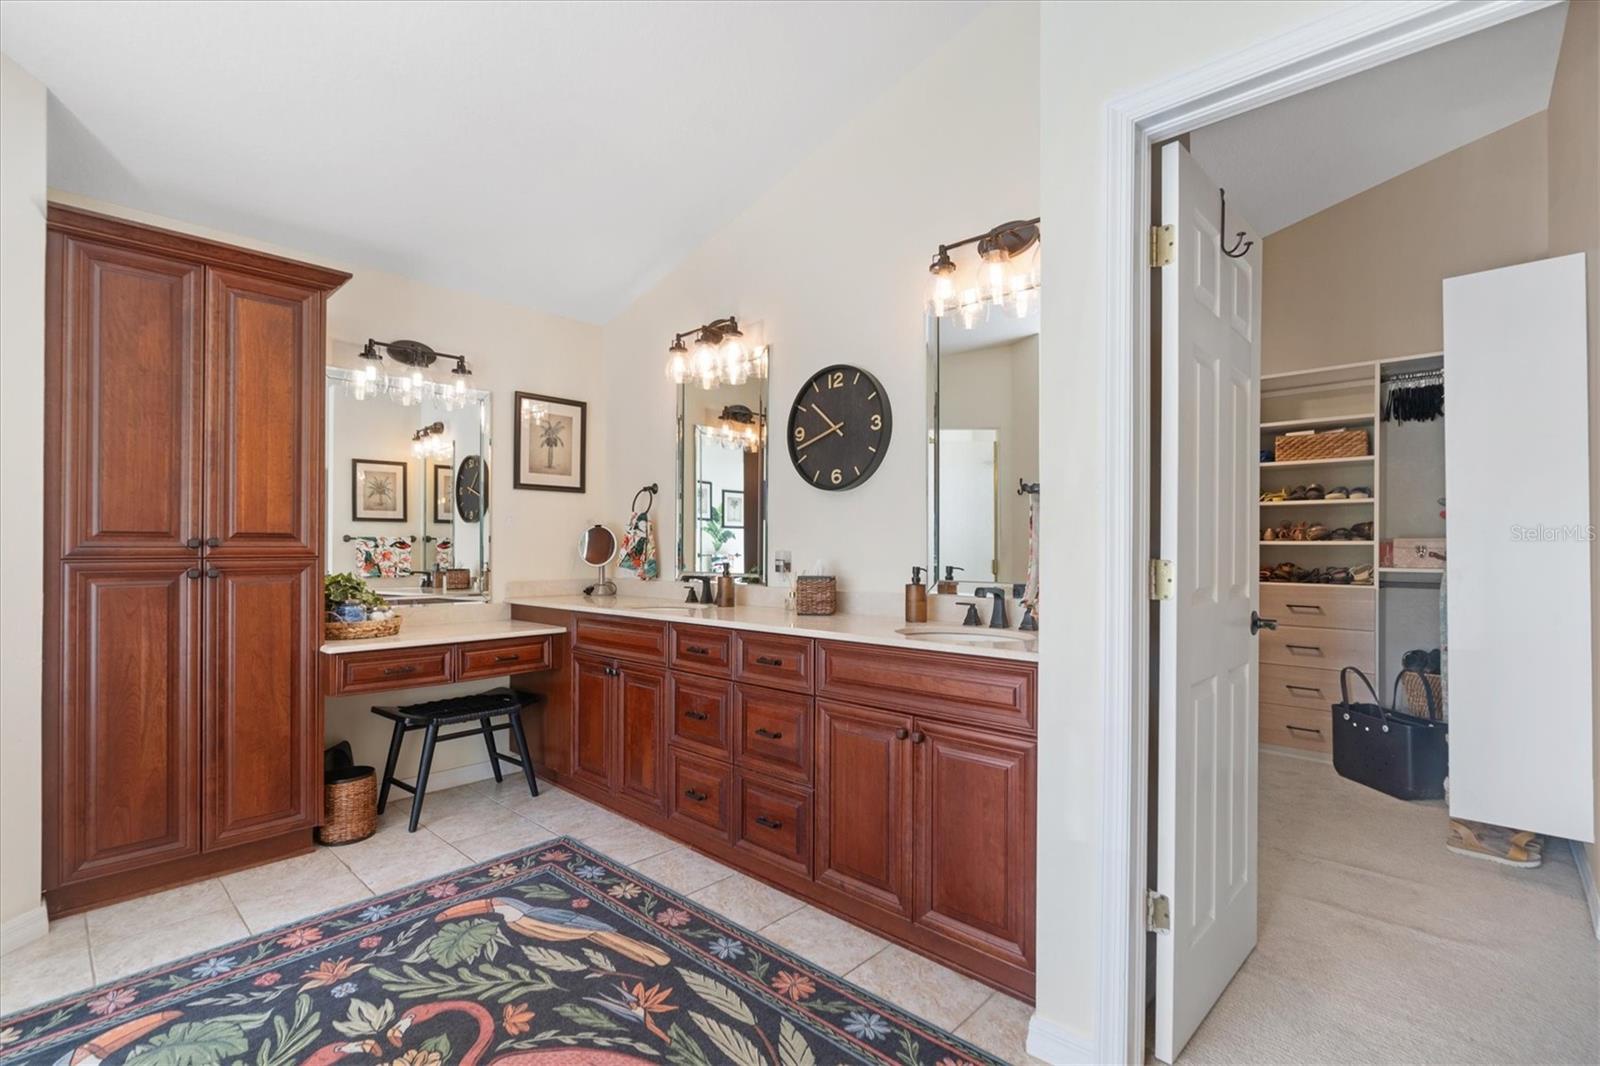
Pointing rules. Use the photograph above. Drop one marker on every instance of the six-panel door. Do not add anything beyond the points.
(863, 798)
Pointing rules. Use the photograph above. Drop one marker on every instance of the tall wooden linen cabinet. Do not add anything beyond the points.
(183, 525)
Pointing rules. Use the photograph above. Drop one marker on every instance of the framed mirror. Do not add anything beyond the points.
(983, 440)
(408, 489)
(722, 479)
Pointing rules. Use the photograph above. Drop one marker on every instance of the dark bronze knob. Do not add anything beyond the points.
(192, 542)
(918, 738)
(901, 734)
(193, 573)
(213, 542)
(213, 573)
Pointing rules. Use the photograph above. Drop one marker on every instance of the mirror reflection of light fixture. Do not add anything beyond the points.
(719, 356)
(739, 427)
(432, 442)
(1005, 276)
(409, 389)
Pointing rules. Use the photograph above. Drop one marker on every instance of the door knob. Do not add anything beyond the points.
(1257, 623)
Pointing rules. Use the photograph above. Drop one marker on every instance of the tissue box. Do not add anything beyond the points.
(1419, 553)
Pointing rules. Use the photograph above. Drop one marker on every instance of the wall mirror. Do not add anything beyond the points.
(408, 488)
(983, 443)
(722, 477)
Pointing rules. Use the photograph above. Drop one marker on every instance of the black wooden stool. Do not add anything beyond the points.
(481, 707)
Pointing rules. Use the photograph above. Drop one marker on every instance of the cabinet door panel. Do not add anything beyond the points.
(864, 804)
(129, 398)
(127, 726)
(591, 726)
(264, 362)
(642, 734)
(263, 720)
(975, 838)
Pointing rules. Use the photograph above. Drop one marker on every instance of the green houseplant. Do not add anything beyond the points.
(341, 589)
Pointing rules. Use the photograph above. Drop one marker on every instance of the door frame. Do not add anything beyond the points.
(1339, 45)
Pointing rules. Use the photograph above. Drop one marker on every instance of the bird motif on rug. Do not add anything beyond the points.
(552, 923)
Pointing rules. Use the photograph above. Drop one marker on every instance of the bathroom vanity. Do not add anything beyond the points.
(886, 776)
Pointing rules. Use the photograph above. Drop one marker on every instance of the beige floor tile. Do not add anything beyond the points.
(125, 938)
(832, 943)
(746, 901)
(683, 870)
(286, 891)
(1000, 1027)
(627, 843)
(920, 986)
(473, 816)
(508, 837)
(56, 964)
(393, 858)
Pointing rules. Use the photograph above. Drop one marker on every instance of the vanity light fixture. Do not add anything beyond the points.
(432, 442)
(1006, 274)
(719, 356)
(409, 389)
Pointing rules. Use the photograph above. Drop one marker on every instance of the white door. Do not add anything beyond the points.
(1206, 744)
(968, 460)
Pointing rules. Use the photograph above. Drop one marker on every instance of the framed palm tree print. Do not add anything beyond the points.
(551, 443)
(377, 490)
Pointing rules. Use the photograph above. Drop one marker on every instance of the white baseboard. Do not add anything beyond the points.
(25, 928)
(1058, 1046)
(1586, 876)
(439, 780)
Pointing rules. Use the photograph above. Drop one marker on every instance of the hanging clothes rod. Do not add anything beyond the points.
(1434, 375)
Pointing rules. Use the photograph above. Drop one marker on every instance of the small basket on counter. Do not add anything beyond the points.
(1332, 444)
(815, 594)
(349, 606)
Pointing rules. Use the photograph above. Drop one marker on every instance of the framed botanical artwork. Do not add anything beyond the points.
(444, 493)
(733, 508)
(702, 499)
(551, 443)
(377, 490)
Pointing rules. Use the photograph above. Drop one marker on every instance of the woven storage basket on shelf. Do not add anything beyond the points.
(1417, 700)
(815, 595)
(1334, 444)
(388, 627)
(349, 806)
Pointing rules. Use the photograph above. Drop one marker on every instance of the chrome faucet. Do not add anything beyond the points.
(998, 619)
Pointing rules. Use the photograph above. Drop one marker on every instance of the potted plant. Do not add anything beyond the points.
(346, 598)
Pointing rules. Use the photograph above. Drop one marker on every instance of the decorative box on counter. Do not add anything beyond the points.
(1419, 553)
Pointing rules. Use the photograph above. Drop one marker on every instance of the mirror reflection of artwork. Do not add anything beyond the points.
(551, 443)
(702, 499)
(444, 493)
(733, 508)
(378, 490)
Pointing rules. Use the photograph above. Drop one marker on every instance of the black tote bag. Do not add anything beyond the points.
(1389, 750)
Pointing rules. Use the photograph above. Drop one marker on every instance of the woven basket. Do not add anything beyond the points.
(815, 595)
(458, 577)
(349, 806)
(1417, 700)
(388, 627)
(1334, 444)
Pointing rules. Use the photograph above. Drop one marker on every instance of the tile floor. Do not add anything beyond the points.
(466, 825)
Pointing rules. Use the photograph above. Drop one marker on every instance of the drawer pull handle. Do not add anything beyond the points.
(770, 823)
(696, 649)
(1304, 608)
(767, 660)
(695, 794)
(698, 716)
(507, 658)
(901, 734)
(1304, 688)
(1303, 729)
(391, 671)
(1309, 649)
(768, 734)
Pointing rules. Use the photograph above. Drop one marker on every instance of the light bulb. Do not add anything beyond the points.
(371, 372)
(1020, 293)
(732, 353)
(705, 362)
(992, 275)
(678, 368)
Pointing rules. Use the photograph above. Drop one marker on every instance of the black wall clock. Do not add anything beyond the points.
(472, 489)
(839, 427)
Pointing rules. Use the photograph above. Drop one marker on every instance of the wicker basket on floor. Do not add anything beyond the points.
(1334, 444)
(1417, 700)
(349, 806)
(814, 594)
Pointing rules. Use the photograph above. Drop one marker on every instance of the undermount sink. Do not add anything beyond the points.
(964, 635)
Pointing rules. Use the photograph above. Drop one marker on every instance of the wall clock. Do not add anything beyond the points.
(472, 489)
(839, 427)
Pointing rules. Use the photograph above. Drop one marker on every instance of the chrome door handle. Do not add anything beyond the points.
(1257, 623)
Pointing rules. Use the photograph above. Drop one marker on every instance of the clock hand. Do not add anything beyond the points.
(826, 419)
(832, 428)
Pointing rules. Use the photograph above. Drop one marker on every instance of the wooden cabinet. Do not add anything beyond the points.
(620, 729)
(592, 732)
(864, 801)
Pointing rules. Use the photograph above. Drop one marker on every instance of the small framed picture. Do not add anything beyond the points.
(733, 508)
(444, 493)
(551, 443)
(377, 490)
(702, 499)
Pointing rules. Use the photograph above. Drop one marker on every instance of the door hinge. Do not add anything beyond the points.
(1162, 242)
(1162, 582)
(1157, 913)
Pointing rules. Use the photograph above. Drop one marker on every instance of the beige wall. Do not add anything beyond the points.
(1574, 174)
(1362, 279)
(22, 197)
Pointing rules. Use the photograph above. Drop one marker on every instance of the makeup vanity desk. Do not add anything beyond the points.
(423, 655)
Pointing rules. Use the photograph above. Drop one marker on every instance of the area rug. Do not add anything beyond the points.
(552, 956)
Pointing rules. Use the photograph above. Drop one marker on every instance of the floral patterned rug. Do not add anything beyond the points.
(552, 956)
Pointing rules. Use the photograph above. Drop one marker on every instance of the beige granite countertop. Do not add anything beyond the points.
(854, 628)
(416, 636)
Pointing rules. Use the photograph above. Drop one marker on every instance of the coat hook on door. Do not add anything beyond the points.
(1240, 246)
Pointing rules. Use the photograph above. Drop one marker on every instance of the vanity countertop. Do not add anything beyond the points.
(853, 628)
(417, 636)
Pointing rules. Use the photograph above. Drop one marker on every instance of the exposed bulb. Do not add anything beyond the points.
(678, 368)
(993, 274)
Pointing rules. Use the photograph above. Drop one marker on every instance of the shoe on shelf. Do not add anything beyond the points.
(1361, 575)
(1338, 492)
(1297, 493)
(1361, 492)
(1274, 496)
(1269, 534)
(1316, 531)
(1314, 491)
(1362, 530)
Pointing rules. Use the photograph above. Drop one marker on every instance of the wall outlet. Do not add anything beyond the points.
(783, 563)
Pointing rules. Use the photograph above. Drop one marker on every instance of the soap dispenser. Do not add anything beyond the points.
(725, 587)
(947, 587)
(917, 596)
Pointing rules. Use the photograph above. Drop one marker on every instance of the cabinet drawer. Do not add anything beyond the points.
(1304, 687)
(702, 713)
(496, 658)
(645, 641)
(1297, 727)
(1320, 606)
(775, 823)
(774, 732)
(1326, 649)
(781, 662)
(401, 668)
(702, 792)
(963, 688)
(708, 651)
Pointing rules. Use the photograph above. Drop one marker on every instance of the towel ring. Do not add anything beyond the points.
(652, 489)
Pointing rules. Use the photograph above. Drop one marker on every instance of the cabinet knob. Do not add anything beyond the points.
(192, 542)
(918, 738)
(695, 794)
(213, 542)
(213, 573)
(770, 823)
(193, 573)
(901, 734)
(769, 734)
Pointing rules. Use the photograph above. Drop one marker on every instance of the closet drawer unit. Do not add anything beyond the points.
(702, 793)
(963, 688)
(1304, 687)
(1327, 649)
(702, 713)
(707, 651)
(765, 659)
(1297, 727)
(774, 732)
(402, 668)
(775, 823)
(1319, 606)
(622, 637)
(497, 658)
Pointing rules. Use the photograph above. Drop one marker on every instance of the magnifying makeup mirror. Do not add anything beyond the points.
(597, 547)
